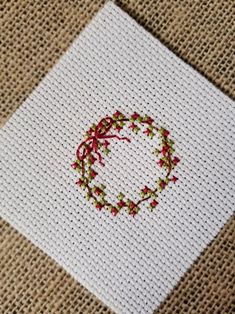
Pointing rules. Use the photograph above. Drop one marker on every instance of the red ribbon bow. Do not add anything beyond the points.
(91, 143)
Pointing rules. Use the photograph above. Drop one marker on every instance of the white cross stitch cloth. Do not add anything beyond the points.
(129, 263)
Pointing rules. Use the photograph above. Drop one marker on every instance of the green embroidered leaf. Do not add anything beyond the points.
(120, 196)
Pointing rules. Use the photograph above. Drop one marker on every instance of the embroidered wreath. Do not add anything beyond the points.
(96, 144)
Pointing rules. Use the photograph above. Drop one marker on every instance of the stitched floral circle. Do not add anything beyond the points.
(96, 144)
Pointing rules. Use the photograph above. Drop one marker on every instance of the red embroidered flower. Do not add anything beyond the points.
(145, 190)
(132, 205)
(154, 203)
(174, 179)
(133, 126)
(161, 162)
(93, 173)
(80, 182)
(99, 206)
(135, 116)
(162, 184)
(114, 211)
(121, 204)
(98, 191)
(165, 149)
(74, 165)
(149, 120)
(117, 114)
(148, 132)
(175, 160)
(119, 128)
(165, 133)
(133, 213)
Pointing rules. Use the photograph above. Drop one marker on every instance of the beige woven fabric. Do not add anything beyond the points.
(209, 286)
(31, 282)
(33, 35)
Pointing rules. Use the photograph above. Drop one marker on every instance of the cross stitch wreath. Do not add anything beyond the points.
(96, 143)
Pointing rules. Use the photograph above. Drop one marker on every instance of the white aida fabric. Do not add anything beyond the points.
(129, 263)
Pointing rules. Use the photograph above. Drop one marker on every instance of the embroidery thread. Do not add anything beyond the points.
(96, 143)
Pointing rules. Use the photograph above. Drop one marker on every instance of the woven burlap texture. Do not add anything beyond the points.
(208, 287)
(33, 35)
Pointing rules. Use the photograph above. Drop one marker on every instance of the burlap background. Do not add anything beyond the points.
(33, 35)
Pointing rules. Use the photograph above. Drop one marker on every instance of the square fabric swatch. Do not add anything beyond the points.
(131, 264)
